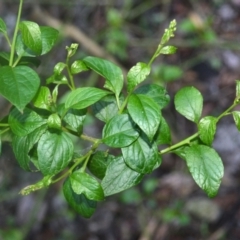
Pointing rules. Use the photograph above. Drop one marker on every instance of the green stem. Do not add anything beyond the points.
(4, 125)
(70, 75)
(15, 34)
(124, 103)
(160, 46)
(8, 40)
(185, 141)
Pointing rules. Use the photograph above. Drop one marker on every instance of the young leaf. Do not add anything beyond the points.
(79, 203)
(106, 108)
(55, 151)
(188, 102)
(49, 38)
(75, 119)
(43, 98)
(119, 177)
(163, 135)
(119, 132)
(3, 27)
(84, 97)
(206, 168)
(22, 146)
(145, 113)
(78, 66)
(83, 183)
(18, 85)
(98, 163)
(59, 67)
(168, 50)
(111, 72)
(236, 117)
(141, 156)
(31, 36)
(156, 92)
(136, 75)
(54, 121)
(207, 129)
(24, 123)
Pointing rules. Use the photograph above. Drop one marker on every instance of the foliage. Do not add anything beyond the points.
(41, 127)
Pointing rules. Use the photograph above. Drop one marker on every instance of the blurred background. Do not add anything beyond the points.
(167, 204)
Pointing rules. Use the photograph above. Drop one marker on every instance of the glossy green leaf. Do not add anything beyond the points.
(206, 168)
(168, 50)
(111, 72)
(181, 152)
(55, 151)
(43, 98)
(78, 66)
(24, 123)
(141, 156)
(79, 203)
(59, 67)
(136, 75)
(156, 92)
(54, 121)
(83, 183)
(31, 36)
(188, 102)
(84, 97)
(18, 85)
(23, 145)
(207, 129)
(145, 113)
(49, 37)
(106, 108)
(119, 177)
(3, 27)
(163, 135)
(98, 163)
(236, 117)
(119, 132)
(75, 118)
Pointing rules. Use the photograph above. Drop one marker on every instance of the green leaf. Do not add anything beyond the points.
(75, 119)
(188, 102)
(83, 183)
(31, 36)
(79, 203)
(4, 58)
(141, 156)
(236, 117)
(119, 177)
(119, 131)
(98, 163)
(167, 73)
(111, 72)
(106, 108)
(84, 97)
(136, 75)
(23, 145)
(55, 151)
(145, 113)
(207, 129)
(3, 27)
(59, 67)
(206, 167)
(181, 152)
(168, 50)
(163, 135)
(18, 85)
(78, 66)
(24, 123)
(54, 121)
(49, 37)
(43, 98)
(156, 92)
